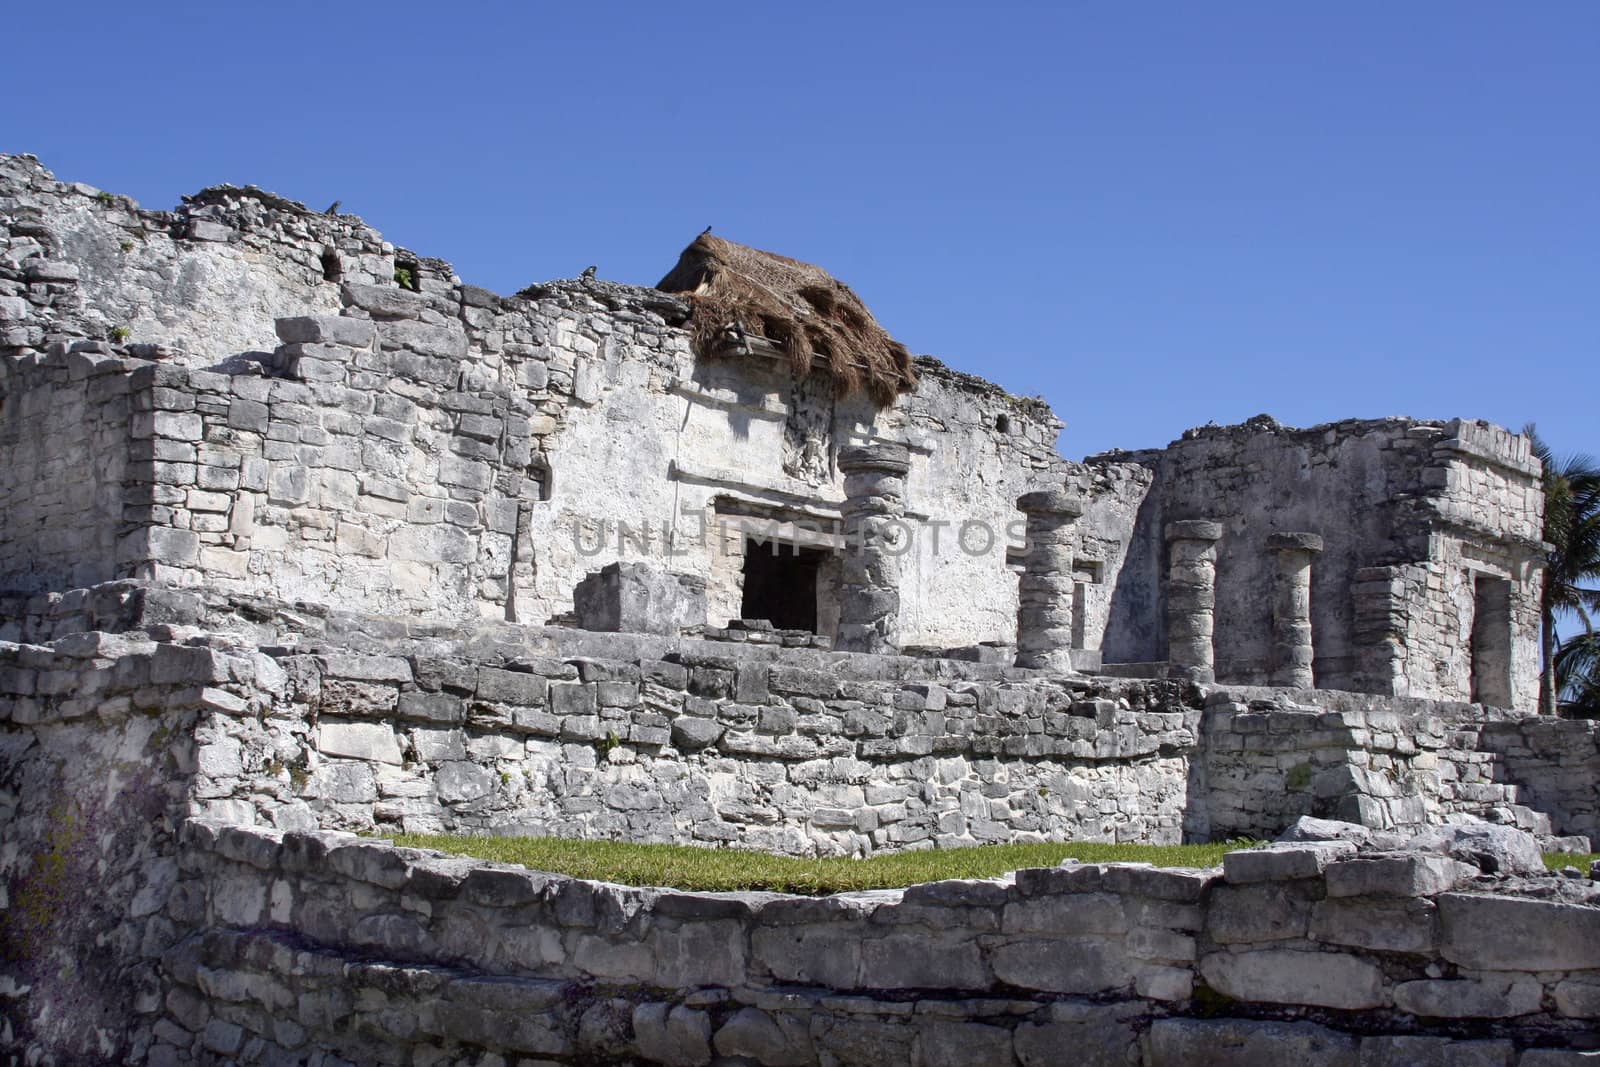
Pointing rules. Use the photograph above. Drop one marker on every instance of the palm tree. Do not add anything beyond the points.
(1578, 674)
(1572, 528)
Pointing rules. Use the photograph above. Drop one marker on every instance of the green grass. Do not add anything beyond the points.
(1581, 860)
(686, 867)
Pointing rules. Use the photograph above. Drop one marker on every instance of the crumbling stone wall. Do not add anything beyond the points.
(795, 752)
(585, 400)
(100, 739)
(1394, 764)
(283, 938)
(1316, 954)
(66, 435)
(203, 283)
(1411, 514)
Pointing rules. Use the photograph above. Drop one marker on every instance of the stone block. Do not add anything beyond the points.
(1579, 998)
(460, 781)
(672, 1035)
(1482, 998)
(384, 302)
(1409, 1051)
(431, 707)
(770, 1040)
(1180, 884)
(827, 954)
(1254, 913)
(344, 783)
(1492, 848)
(436, 341)
(1066, 913)
(690, 734)
(512, 687)
(325, 329)
(1404, 874)
(1064, 965)
(1285, 976)
(371, 741)
(1247, 1043)
(1093, 1035)
(365, 668)
(1495, 933)
(572, 698)
(1281, 863)
(923, 960)
(963, 1043)
(1380, 925)
(639, 598)
(357, 699)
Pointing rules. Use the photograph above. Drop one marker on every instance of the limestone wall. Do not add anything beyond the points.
(122, 945)
(803, 753)
(98, 741)
(583, 399)
(813, 753)
(1411, 515)
(604, 438)
(317, 941)
(205, 281)
(1269, 758)
(66, 438)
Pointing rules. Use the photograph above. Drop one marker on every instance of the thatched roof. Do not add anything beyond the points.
(740, 293)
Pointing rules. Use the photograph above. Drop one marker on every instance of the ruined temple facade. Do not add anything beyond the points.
(258, 401)
(301, 536)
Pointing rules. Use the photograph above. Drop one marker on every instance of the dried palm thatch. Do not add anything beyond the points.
(740, 293)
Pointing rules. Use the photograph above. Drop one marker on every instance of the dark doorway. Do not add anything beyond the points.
(780, 584)
(1491, 641)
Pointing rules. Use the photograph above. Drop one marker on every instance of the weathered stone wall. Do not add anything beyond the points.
(99, 737)
(1394, 764)
(1410, 513)
(315, 941)
(584, 400)
(204, 282)
(582, 407)
(807, 752)
(120, 944)
(66, 439)
(785, 750)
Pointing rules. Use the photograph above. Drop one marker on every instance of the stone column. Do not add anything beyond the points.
(1044, 602)
(873, 510)
(1191, 598)
(1291, 608)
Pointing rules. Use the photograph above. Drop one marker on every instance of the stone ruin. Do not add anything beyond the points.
(302, 538)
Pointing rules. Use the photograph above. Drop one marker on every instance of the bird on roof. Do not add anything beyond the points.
(588, 272)
(333, 208)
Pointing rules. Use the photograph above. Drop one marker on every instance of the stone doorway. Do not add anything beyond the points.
(1491, 641)
(780, 584)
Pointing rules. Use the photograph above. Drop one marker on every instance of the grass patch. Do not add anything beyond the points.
(1581, 860)
(688, 867)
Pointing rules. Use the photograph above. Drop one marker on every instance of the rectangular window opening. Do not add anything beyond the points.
(408, 275)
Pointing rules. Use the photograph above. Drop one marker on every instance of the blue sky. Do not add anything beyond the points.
(1154, 215)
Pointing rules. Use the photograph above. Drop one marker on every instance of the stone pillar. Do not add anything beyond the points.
(1291, 608)
(1044, 602)
(873, 510)
(1191, 598)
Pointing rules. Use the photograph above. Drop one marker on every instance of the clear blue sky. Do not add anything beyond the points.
(1154, 215)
